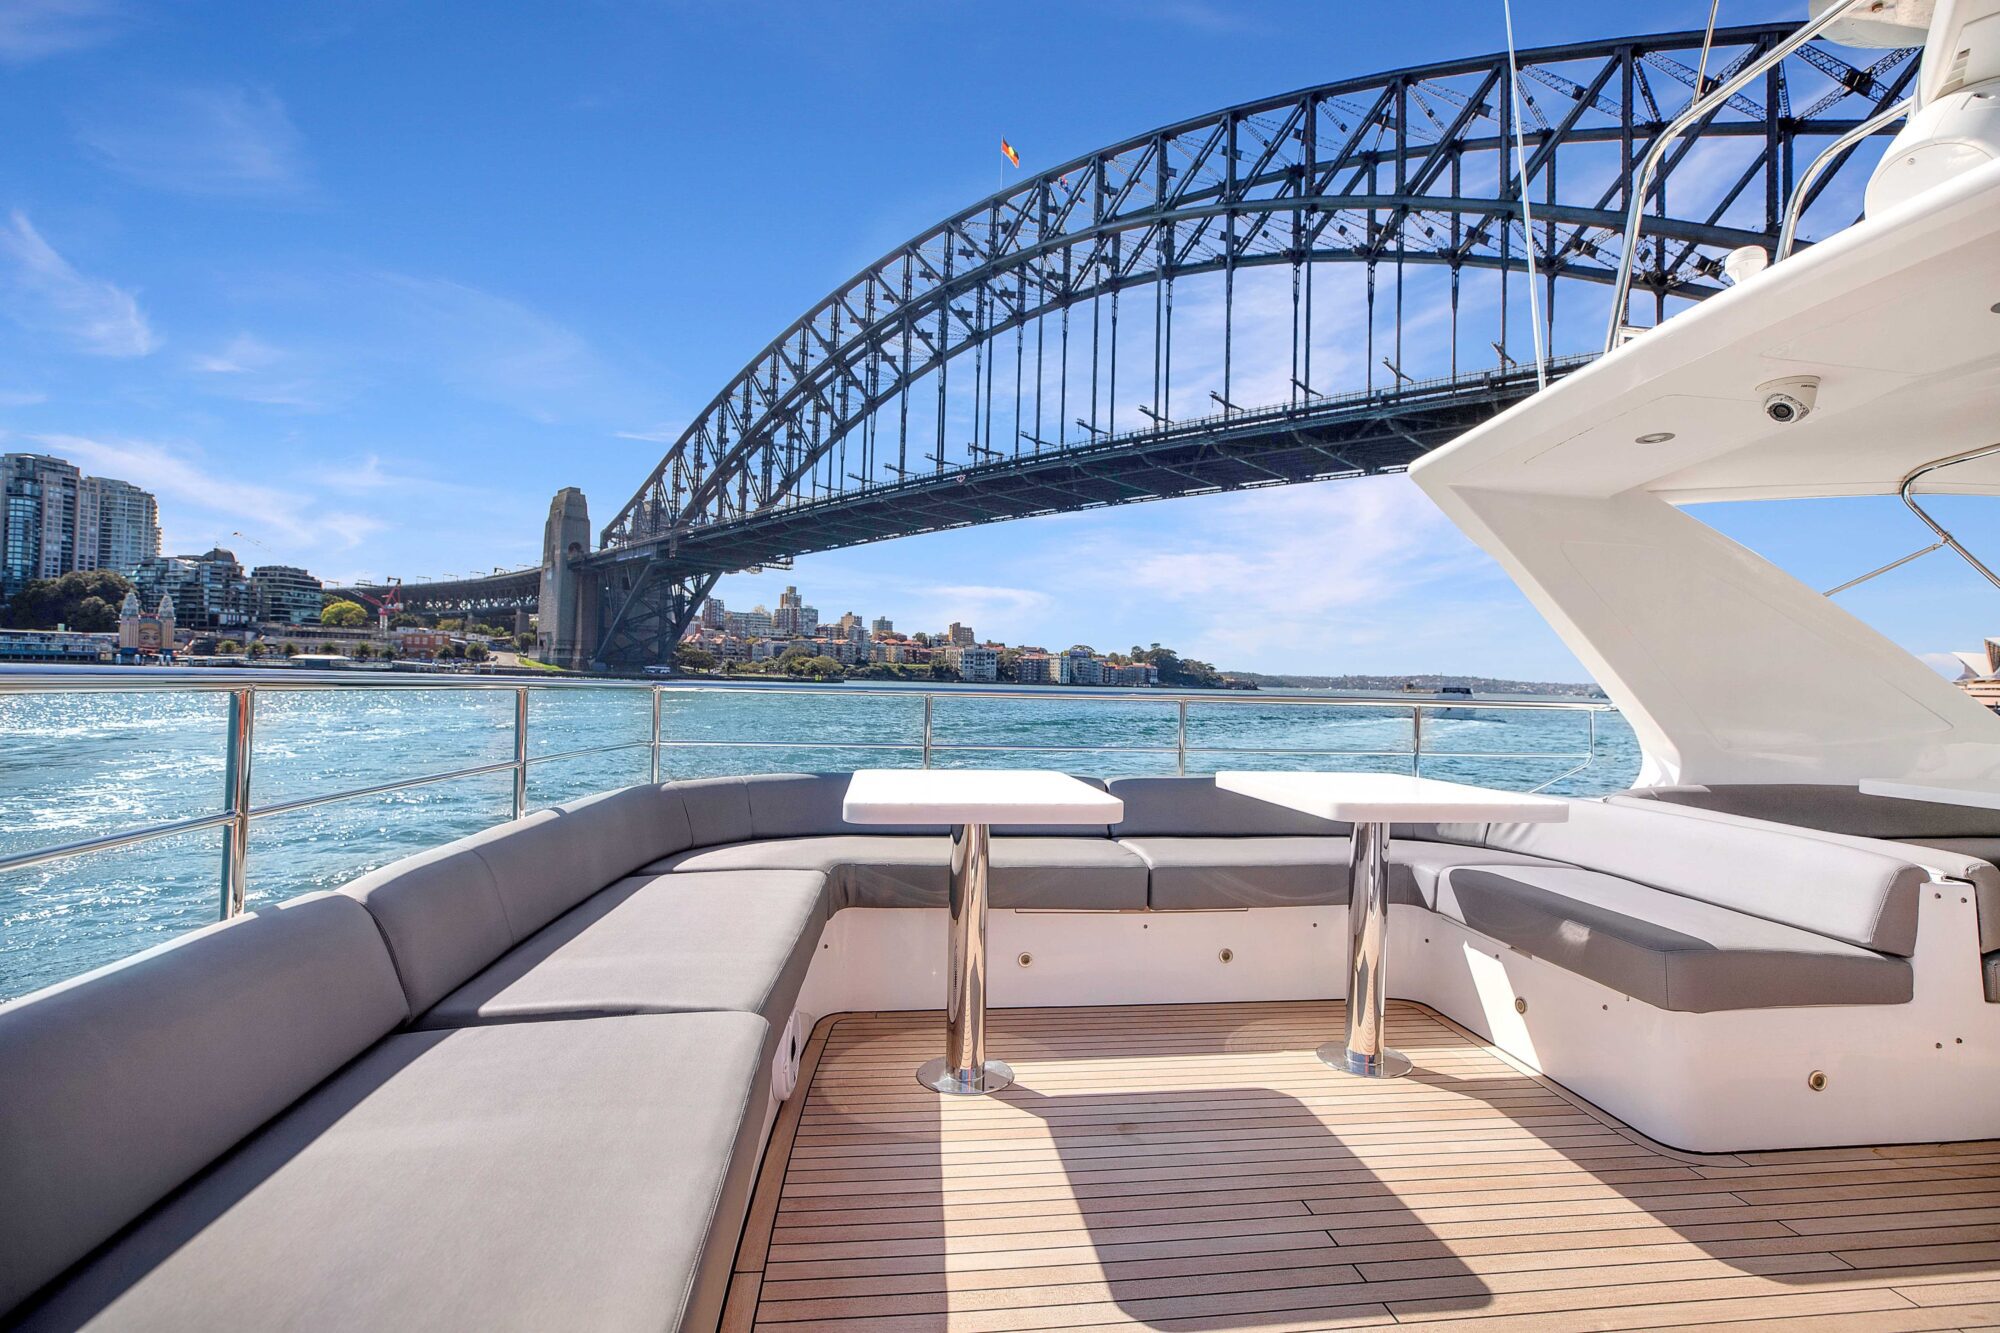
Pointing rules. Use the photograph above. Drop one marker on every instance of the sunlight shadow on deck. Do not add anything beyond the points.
(1195, 1168)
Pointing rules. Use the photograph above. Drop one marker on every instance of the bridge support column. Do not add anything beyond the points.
(567, 636)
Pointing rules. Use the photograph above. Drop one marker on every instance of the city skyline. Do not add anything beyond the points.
(352, 286)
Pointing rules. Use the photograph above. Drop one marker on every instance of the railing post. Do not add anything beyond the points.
(656, 735)
(1180, 743)
(927, 729)
(1416, 740)
(520, 750)
(236, 781)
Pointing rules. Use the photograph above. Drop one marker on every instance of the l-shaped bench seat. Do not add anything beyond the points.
(522, 1080)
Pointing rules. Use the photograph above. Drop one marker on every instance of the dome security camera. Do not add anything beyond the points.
(1791, 400)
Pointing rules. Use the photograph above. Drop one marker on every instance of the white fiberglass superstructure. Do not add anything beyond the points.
(1730, 670)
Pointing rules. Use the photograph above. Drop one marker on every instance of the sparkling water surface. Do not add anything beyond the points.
(79, 766)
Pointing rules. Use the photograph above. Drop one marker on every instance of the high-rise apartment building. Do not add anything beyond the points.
(712, 613)
(793, 616)
(37, 519)
(117, 525)
(882, 625)
(54, 521)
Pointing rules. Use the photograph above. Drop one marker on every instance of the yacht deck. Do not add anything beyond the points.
(1194, 1167)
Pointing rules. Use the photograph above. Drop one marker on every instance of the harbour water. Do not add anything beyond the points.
(78, 766)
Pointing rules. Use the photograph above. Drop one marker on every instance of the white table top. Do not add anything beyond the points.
(1985, 798)
(1391, 798)
(975, 796)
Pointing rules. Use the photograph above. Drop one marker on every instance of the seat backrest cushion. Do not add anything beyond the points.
(118, 1086)
(449, 912)
(1842, 891)
(1832, 809)
(1194, 807)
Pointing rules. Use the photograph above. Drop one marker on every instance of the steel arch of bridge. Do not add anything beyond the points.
(1408, 168)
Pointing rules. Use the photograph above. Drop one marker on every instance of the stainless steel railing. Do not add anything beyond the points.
(243, 689)
(1697, 110)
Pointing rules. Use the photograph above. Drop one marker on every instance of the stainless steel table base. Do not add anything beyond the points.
(1362, 1053)
(1389, 1064)
(964, 1070)
(939, 1076)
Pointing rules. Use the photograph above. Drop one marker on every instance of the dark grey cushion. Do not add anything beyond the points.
(1670, 951)
(1414, 866)
(1194, 807)
(1197, 874)
(449, 912)
(121, 1084)
(658, 944)
(1858, 894)
(522, 1176)
(890, 870)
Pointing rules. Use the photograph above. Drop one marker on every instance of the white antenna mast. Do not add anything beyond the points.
(1527, 215)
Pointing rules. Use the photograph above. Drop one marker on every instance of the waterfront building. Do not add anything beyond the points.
(47, 646)
(975, 663)
(117, 525)
(1079, 665)
(960, 635)
(286, 595)
(1131, 673)
(1035, 667)
(793, 616)
(209, 591)
(752, 624)
(421, 641)
(37, 519)
(141, 635)
(1980, 676)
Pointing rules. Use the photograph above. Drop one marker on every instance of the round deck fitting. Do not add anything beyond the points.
(992, 1076)
(1388, 1064)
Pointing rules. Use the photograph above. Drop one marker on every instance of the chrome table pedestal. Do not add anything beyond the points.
(964, 1070)
(1362, 1052)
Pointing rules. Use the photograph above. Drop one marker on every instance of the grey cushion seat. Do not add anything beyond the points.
(1195, 874)
(658, 944)
(1670, 951)
(886, 870)
(525, 1176)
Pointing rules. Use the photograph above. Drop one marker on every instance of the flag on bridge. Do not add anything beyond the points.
(1008, 149)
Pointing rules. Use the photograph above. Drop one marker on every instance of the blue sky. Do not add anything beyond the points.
(360, 286)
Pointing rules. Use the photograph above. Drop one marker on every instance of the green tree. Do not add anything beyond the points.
(343, 615)
(693, 657)
(291, 649)
(363, 651)
(451, 624)
(476, 652)
(405, 620)
(228, 647)
(524, 643)
(84, 600)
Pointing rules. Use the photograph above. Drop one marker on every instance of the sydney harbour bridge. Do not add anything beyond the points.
(1317, 285)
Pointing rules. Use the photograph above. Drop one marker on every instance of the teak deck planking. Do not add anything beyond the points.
(1194, 1167)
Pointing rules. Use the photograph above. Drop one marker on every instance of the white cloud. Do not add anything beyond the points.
(240, 355)
(236, 142)
(658, 435)
(186, 485)
(493, 347)
(33, 29)
(21, 398)
(52, 297)
(1311, 573)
